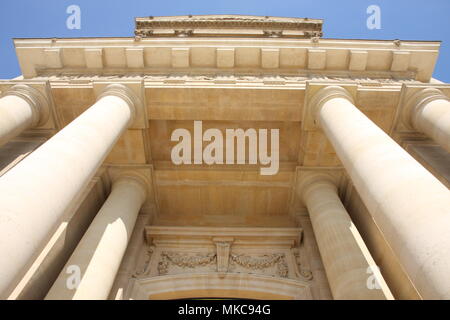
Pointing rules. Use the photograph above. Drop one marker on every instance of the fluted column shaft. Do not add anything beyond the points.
(411, 207)
(21, 108)
(430, 114)
(345, 263)
(36, 193)
(100, 251)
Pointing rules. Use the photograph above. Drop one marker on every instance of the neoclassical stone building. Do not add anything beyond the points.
(92, 205)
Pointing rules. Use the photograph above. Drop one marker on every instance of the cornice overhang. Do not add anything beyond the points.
(408, 59)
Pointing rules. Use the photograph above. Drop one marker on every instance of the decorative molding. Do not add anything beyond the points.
(270, 264)
(184, 260)
(181, 33)
(227, 25)
(276, 33)
(222, 250)
(221, 78)
(237, 285)
(262, 262)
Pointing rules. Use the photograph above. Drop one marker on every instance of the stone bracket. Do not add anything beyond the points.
(223, 248)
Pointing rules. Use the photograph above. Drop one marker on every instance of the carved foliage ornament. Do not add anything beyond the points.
(185, 77)
(262, 262)
(242, 260)
(251, 262)
(184, 260)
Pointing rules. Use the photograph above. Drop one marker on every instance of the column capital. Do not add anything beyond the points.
(134, 178)
(311, 180)
(38, 102)
(325, 94)
(417, 100)
(125, 93)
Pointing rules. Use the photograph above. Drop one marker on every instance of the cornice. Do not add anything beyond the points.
(239, 235)
(231, 25)
(412, 59)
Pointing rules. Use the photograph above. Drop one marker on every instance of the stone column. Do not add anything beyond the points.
(36, 193)
(410, 206)
(97, 258)
(21, 108)
(344, 259)
(428, 111)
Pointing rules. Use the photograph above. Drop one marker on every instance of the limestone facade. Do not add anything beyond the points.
(93, 207)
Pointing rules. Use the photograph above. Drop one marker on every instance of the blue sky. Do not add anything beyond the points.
(400, 19)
